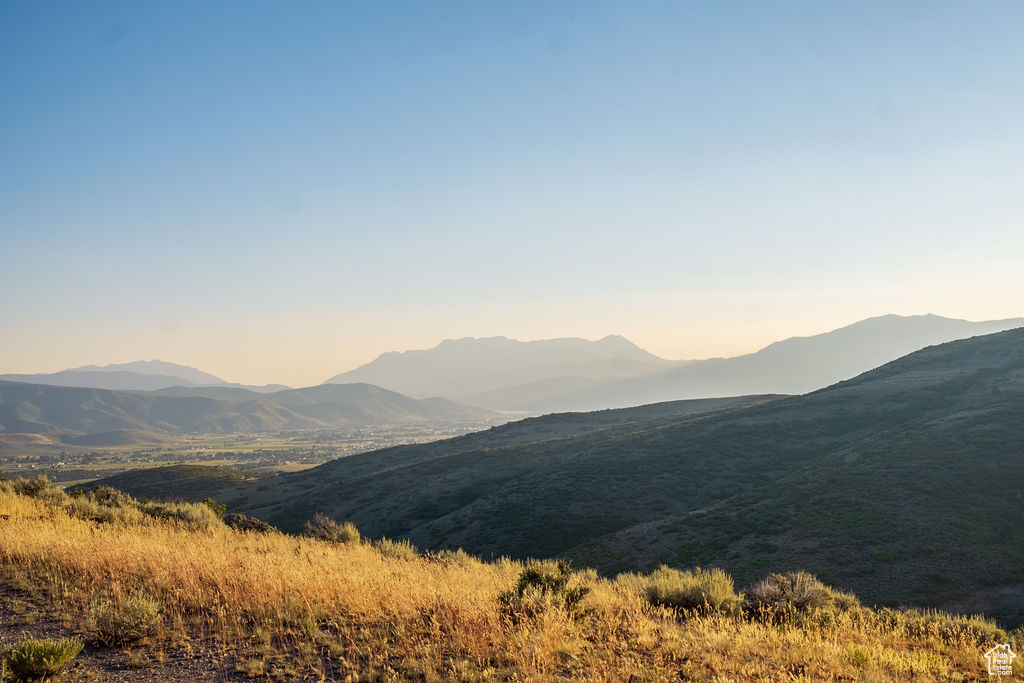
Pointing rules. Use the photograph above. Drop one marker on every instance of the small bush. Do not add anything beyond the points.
(31, 487)
(218, 508)
(193, 515)
(704, 590)
(323, 528)
(457, 557)
(400, 550)
(543, 586)
(53, 496)
(135, 618)
(240, 522)
(40, 659)
(85, 507)
(796, 592)
(109, 497)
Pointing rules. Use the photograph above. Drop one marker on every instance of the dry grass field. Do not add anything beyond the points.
(175, 594)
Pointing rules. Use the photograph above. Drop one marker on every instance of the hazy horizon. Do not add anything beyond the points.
(279, 195)
(324, 376)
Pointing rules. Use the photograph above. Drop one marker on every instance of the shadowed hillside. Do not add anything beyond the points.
(902, 484)
(173, 482)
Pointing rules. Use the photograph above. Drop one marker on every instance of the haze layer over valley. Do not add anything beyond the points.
(574, 374)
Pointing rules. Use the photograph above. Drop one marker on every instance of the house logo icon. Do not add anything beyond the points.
(1000, 660)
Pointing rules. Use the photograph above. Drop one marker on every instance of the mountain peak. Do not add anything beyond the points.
(154, 367)
(463, 368)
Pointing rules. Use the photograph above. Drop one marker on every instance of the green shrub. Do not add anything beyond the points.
(323, 528)
(796, 592)
(135, 618)
(218, 508)
(53, 496)
(401, 549)
(704, 590)
(31, 487)
(40, 659)
(543, 586)
(240, 522)
(109, 497)
(85, 507)
(193, 515)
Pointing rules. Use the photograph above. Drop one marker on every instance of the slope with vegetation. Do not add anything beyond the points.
(175, 593)
(172, 482)
(901, 484)
(43, 409)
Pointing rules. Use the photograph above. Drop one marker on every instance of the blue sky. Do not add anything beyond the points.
(280, 192)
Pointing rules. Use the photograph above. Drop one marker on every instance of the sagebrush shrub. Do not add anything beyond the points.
(401, 549)
(193, 515)
(31, 487)
(794, 590)
(40, 659)
(240, 522)
(85, 507)
(457, 557)
(129, 621)
(218, 508)
(543, 586)
(323, 528)
(109, 497)
(796, 595)
(705, 590)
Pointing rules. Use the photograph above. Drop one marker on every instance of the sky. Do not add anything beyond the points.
(279, 192)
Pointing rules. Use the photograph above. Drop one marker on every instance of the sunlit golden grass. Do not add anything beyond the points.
(292, 607)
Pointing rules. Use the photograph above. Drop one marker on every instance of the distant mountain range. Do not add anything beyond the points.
(140, 375)
(578, 375)
(76, 411)
(470, 367)
(573, 374)
(902, 484)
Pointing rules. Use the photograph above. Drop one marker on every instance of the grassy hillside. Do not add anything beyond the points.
(902, 484)
(173, 594)
(118, 437)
